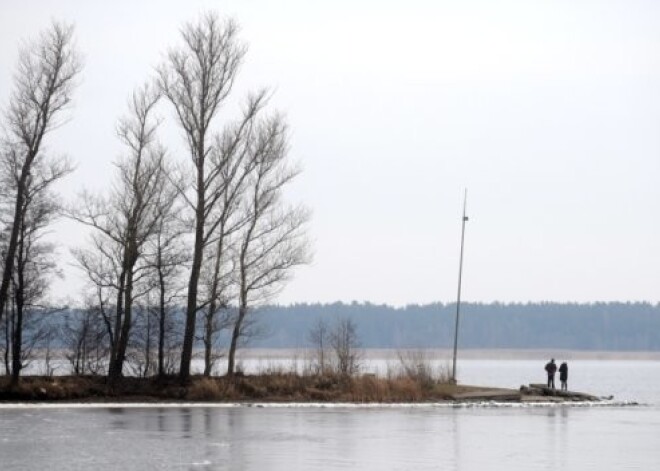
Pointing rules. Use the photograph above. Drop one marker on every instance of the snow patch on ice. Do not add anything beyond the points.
(314, 405)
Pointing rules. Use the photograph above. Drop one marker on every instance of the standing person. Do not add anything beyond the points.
(551, 369)
(563, 376)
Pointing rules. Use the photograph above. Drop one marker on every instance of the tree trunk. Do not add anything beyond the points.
(7, 345)
(19, 296)
(191, 312)
(17, 341)
(210, 316)
(208, 340)
(147, 348)
(198, 252)
(122, 338)
(236, 333)
(10, 255)
(161, 322)
(119, 308)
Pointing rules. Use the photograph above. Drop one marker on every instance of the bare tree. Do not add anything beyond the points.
(44, 82)
(217, 282)
(101, 265)
(86, 338)
(35, 264)
(272, 241)
(167, 257)
(345, 343)
(141, 357)
(25, 334)
(197, 79)
(129, 217)
(233, 160)
(319, 337)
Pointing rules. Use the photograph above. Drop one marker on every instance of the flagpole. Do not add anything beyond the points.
(458, 297)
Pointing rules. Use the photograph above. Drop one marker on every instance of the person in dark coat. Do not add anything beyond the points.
(551, 369)
(563, 376)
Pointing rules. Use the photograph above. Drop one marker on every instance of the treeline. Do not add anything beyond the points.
(209, 230)
(80, 337)
(597, 326)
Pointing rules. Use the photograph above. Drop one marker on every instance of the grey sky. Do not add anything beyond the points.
(548, 111)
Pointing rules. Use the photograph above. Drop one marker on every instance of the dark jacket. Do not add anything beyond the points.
(551, 368)
(563, 372)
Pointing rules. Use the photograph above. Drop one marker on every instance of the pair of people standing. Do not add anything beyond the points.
(551, 369)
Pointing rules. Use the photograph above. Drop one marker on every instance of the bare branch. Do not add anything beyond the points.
(43, 87)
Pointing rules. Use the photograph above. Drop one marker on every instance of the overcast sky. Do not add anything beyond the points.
(547, 111)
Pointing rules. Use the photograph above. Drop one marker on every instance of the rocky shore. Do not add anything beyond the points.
(527, 394)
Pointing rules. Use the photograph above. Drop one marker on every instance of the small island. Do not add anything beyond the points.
(275, 388)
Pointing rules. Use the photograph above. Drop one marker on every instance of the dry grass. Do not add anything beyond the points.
(278, 386)
(204, 389)
(418, 366)
(50, 388)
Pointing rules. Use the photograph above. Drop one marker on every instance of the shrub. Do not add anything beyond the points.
(418, 366)
(204, 389)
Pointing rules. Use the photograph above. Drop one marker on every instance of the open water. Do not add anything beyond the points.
(615, 435)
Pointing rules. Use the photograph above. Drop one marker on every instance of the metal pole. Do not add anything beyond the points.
(458, 297)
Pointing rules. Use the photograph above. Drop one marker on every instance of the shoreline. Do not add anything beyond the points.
(274, 389)
(305, 405)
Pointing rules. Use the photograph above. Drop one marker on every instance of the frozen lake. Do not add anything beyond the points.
(403, 437)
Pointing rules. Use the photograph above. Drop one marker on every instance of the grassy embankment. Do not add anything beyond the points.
(414, 379)
(271, 387)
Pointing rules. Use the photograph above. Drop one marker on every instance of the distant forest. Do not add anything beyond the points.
(599, 326)
(80, 336)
